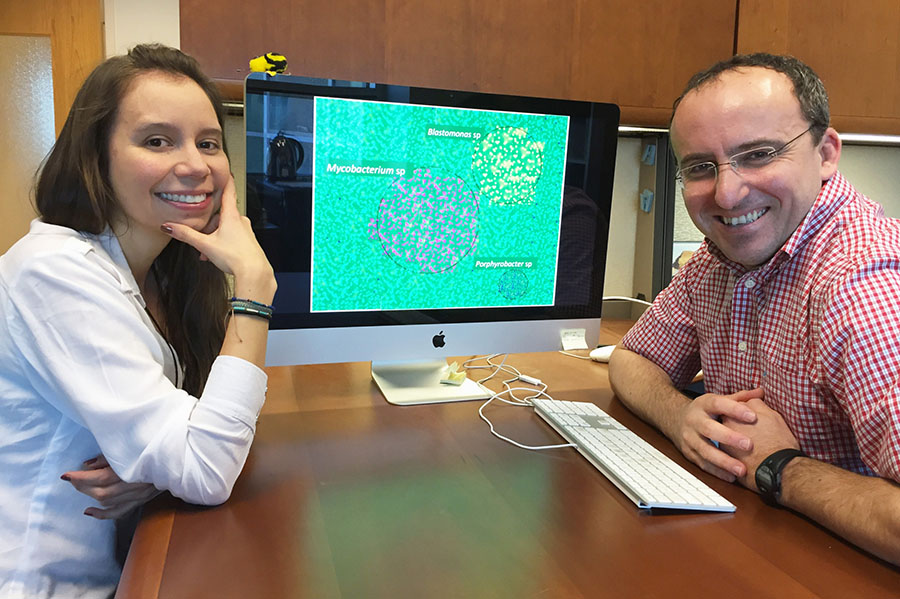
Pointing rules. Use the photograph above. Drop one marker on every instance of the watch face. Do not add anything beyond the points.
(764, 479)
(768, 474)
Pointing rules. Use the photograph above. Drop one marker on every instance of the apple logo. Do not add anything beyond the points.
(438, 340)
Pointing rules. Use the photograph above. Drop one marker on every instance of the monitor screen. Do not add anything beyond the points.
(410, 223)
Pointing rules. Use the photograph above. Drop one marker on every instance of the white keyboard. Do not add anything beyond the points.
(642, 472)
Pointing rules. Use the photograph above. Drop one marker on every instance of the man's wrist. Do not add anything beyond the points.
(672, 421)
(770, 472)
(793, 477)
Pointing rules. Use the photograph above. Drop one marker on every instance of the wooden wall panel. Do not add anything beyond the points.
(338, 39)
(637, 54)
(485, 46)
(76, 41)
(641, 54)
(854, 47)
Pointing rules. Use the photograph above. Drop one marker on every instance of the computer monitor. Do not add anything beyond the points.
(406, 225)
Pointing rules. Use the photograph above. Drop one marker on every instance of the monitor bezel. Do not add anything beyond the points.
(598, 181)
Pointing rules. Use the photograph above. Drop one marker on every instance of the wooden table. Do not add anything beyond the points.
(347, 496)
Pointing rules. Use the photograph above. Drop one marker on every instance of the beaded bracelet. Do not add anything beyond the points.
(251, 307)
(251, 302)
(251, 311)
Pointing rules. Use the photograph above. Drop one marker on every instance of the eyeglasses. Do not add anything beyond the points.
(702, 176)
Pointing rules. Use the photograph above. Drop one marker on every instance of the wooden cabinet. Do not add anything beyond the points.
(854, 46)
(636, 54)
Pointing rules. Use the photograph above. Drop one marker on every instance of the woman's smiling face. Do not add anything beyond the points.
(166, 159)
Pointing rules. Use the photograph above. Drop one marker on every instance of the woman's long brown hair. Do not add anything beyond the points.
(72, 189)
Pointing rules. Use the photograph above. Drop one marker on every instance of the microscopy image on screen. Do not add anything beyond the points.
(425, 207)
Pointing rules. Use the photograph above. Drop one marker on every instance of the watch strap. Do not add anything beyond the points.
(768, 474)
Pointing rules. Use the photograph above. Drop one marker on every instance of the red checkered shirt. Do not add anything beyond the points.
(818, 327)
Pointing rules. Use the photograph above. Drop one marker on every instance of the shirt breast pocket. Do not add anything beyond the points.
(784, 362)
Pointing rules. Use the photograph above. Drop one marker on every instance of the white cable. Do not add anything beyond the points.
(490, 365)
(565, 353)
(626, 299)
(514, 401)
(507, 439)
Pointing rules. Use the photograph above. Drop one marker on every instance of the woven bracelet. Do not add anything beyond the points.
(251, 311)
(252, 303)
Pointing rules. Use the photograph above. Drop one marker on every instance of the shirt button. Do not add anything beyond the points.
(742, 346)
(750, 284)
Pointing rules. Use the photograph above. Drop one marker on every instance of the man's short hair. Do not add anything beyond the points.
(808, 88)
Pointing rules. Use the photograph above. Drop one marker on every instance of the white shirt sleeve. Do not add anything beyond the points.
(85, 346)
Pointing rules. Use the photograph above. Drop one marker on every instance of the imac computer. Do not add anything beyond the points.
(406, 225)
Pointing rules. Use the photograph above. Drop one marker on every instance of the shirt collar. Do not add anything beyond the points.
(835, 192)
(110, 244)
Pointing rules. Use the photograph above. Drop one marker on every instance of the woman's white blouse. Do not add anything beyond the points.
(83, 372)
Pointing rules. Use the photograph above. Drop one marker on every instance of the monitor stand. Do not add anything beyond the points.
(419, 382)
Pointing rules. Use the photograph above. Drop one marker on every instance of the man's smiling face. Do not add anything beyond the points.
(749, 216)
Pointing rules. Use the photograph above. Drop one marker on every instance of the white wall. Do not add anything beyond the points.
(131, 22)
(875, 172)
(237, 155)
(619, 278)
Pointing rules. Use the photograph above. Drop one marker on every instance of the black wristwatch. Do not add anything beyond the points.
(768, 474)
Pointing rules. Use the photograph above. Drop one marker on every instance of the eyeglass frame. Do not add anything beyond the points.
(772, 153)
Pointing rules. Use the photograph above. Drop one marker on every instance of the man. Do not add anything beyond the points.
(791, 308)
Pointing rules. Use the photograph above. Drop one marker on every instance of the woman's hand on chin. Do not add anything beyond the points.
(228, 241)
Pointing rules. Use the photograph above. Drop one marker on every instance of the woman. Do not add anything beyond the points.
(114, 345)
